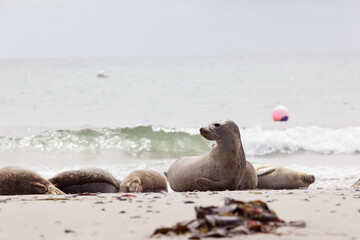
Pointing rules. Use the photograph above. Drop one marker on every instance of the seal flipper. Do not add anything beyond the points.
(52, 190)
(265, 171)
(39, 188)
(208, 184)
(135, 185)
(308, 178)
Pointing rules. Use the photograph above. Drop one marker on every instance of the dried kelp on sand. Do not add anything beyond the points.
(234, 218)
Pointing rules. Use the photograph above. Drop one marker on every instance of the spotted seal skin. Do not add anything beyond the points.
(144, 181)
(276, 177)
(222, 168)
(250, 179)
(91, 180)
(357, 184)
(21, 181)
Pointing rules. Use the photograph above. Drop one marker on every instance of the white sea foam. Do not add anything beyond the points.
(258, 141)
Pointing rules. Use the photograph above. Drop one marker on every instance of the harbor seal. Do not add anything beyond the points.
(222, 168)
(90, 180)
(276, 177)
(250, 180)
(357, 184)
(21, 181)
(144, 181)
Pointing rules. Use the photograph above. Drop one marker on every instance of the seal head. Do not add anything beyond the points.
(215, 131)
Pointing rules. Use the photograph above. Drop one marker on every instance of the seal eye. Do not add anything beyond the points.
(217, 125)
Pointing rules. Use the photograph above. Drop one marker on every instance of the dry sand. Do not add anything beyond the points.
(329, 214)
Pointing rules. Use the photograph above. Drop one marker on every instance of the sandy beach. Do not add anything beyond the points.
(329, 214)
(122, 86)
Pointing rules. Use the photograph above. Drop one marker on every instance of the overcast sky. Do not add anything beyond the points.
(100, 28)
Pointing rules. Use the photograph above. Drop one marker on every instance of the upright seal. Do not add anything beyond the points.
(21, 181)
(90, 180)
(221, 168)
(144, 181)
(276, 177)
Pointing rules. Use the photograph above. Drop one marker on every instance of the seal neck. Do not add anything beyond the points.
(231, 146)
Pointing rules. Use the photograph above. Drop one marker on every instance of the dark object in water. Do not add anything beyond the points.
(234, 218)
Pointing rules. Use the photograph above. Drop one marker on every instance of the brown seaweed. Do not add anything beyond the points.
(234, 218)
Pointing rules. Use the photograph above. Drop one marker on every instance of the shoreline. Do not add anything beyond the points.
(329, 214)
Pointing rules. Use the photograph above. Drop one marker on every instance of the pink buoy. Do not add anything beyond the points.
(280, 113)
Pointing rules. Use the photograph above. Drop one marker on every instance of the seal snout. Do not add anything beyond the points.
(209, 133)
(205, 132)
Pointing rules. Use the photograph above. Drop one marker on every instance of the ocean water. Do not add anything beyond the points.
(57, 114)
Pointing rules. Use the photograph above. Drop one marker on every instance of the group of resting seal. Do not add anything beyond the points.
(224, 167)
(19, 181)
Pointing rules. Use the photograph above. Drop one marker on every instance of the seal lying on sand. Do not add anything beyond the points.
(90, 180)
(357, 184)
(144, 181)
(250, 180)
(18, 180)
(221, 168)
(276, 177)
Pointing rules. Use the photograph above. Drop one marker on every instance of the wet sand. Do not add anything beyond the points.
(329, 214)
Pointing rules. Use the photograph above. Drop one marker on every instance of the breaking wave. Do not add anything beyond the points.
(155, 142)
